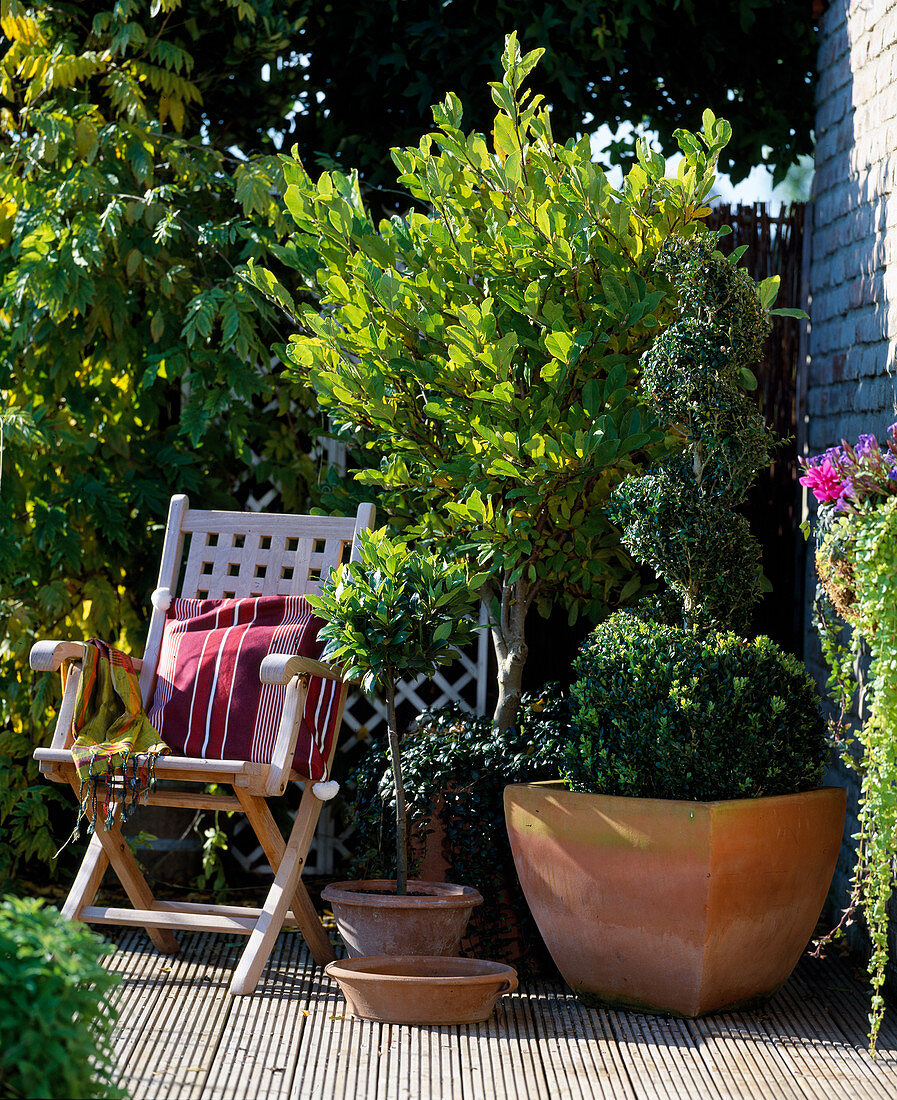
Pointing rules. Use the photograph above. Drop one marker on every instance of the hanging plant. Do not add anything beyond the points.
(856, 547)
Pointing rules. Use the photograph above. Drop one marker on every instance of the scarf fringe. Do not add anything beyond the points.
(138, 779)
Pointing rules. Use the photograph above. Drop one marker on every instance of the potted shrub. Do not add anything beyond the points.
(395, 613)
(855, 486)
(455, 765)
(686, 868)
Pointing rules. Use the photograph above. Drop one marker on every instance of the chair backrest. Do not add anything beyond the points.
(230, 555)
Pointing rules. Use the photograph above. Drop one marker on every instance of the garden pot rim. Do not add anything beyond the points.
(401, 969)
(558, 786)
(432, 895)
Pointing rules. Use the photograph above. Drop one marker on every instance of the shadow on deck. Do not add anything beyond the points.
(181, 1035)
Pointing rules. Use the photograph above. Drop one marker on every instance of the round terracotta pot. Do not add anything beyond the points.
(415, 989)
(673, 906)
(429, 920)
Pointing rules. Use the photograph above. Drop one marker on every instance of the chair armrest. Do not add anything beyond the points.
(47, 656)
(280, 668)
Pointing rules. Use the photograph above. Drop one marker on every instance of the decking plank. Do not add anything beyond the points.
(184, 1003)
(327, 1037)
(181, 1036)
(673, 1048)
(256, 1052)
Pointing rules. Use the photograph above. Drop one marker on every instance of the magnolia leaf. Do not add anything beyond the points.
(787, 311)
(768, 290)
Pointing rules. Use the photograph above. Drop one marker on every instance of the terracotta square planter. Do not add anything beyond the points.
(674, 906)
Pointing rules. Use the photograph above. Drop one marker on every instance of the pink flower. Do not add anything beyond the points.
(824, 480)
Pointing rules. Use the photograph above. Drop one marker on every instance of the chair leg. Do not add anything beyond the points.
(283, 891)
(117, 854)
(87, 881)
(267, 831)
(135, 885)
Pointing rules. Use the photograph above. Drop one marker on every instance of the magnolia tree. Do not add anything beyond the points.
(486, 352)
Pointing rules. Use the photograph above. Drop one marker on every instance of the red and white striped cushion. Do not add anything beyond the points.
(208, 700)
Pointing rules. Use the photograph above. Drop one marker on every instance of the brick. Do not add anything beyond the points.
(835, 79)
(839, 301)
(832, 44)
(825, 244)
(826, 139)
(817, 403)
(878, 39)
(868, 327)
(844, 132)
(832, 173)
(871, 359)
(876, 395)
(820, 437)
(861, 292)
(846, 329)
(887, 292)
(887, 101)
(830, 111)
(832, 205)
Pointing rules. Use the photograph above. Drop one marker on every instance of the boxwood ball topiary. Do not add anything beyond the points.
(662, 712)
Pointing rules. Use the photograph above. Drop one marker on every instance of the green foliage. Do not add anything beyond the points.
(869, 538)
(55, 1023)
(485, 354)
(663, 712)
(365, 80)
(214, 842)
(679, 518)
(134, 360)
(456, 766)
(395, 613)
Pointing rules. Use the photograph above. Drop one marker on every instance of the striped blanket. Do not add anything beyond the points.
(209, 701)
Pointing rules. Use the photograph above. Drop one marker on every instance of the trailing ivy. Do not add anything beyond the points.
(871, 532)
(855, 486)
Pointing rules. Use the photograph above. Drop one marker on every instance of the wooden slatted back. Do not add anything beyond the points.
(231, 555)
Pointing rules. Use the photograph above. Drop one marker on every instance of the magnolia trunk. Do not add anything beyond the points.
(509, 640)
(672, 906)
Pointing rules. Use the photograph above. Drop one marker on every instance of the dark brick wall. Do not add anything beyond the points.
(851, 383)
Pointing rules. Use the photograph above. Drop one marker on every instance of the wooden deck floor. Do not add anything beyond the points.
(181, 1036)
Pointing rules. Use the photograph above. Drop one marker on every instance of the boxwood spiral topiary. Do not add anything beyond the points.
(680, 517)
(659, 711)
(671, 701)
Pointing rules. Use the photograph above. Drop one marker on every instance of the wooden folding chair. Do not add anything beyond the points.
(230, 554)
